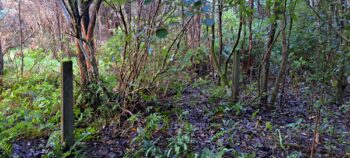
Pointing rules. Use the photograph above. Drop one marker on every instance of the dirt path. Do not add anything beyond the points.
(279, 133)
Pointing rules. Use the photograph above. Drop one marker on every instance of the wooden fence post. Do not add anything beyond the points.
(67, 118)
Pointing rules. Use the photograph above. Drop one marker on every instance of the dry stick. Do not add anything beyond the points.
(318, 116)
(316, 134)
(150, 31)
(152, 28)
(125, 48)
(138, 67)
(7, 49)
(126, 31)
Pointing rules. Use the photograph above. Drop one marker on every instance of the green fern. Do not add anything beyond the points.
(6, 148)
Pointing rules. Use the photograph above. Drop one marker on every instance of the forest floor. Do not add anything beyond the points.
(286, 131)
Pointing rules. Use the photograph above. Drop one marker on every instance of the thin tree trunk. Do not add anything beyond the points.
(282, 72)
(249, 64)
(84, 25)
(224, 76)
(265, 66)
(59, 27)
(340, 86)
(264, 73)
(221, 45)
(82, 64)
(283, 69)
(21, 36)
(212, 45)
(288, 43)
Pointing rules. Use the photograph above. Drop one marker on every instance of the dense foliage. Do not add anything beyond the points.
(177, 78)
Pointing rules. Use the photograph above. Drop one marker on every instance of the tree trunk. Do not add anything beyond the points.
(193, 32)
(340, 86)
(83, 16)
(249, 64)
(82, 64)
(282, 72)
(85, 23)
(341, 81)
(266, 60)
(221, 45)
(265, 66)
(212, 45)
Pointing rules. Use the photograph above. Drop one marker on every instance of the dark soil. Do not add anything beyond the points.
(279, 132)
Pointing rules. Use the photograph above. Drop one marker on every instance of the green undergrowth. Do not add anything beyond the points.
(29, 108)
(30, 105)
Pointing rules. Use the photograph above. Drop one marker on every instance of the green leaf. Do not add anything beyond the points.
(209, 22)
(162, 33)
(197, 4)
(147, 2)
(120, 2)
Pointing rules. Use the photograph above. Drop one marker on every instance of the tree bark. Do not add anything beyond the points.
(194, 32)
(282, 72)
(221, 45)
(266, 60)
(84, 22)
(212, 45)
(340, 86)
(249, 64)
(341, 81)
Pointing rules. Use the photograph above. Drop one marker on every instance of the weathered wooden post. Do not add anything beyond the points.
(67, 118)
